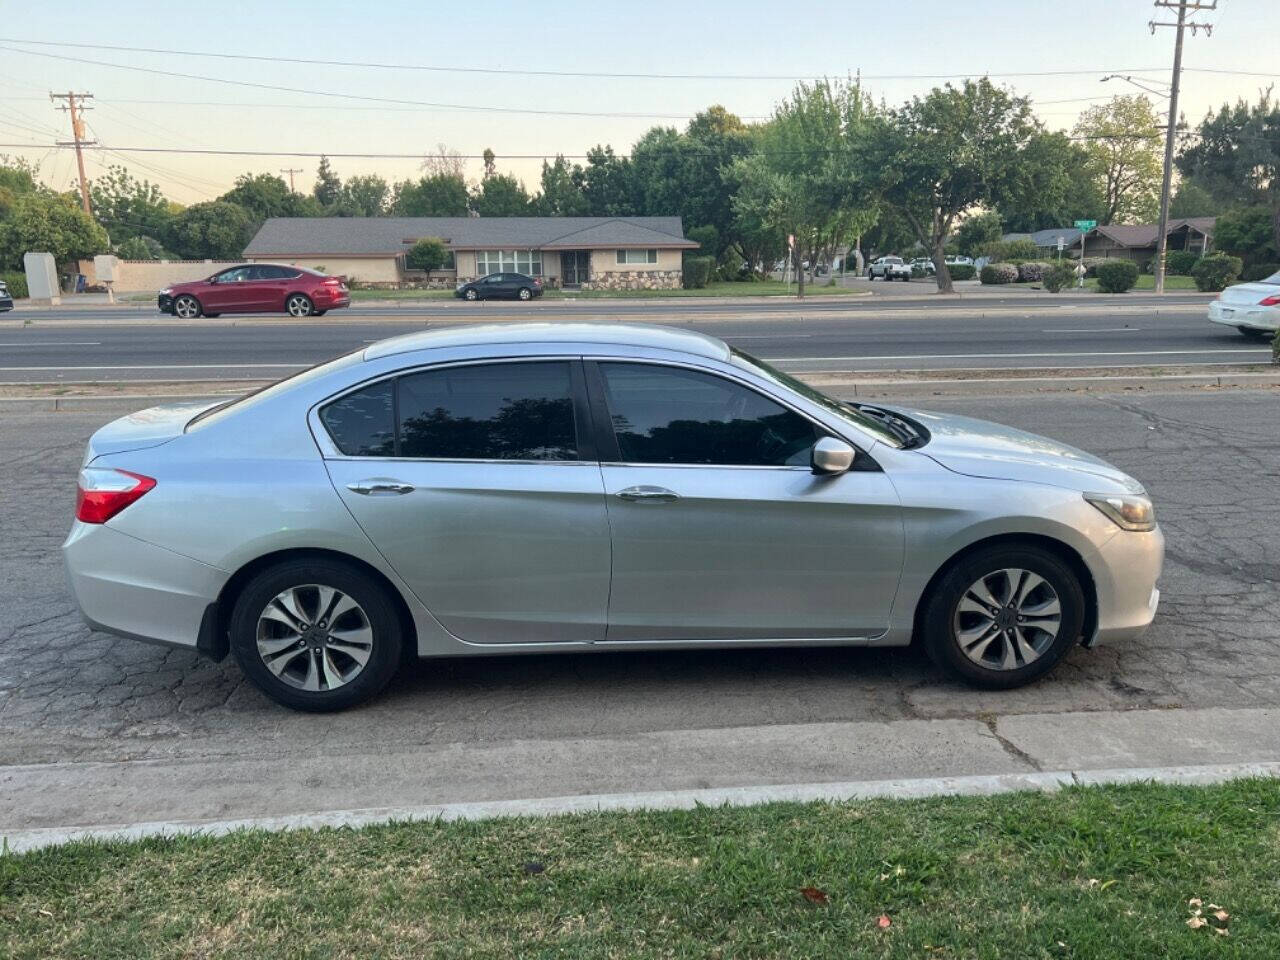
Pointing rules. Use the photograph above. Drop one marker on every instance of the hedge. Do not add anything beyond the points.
(997, 273)
(962, 271)
(1117, 276)
(1259, 271)
(16, 281)
(1180, 262)
(697, 271)
(1214, 272)
(1059, 277)
(1032, 271)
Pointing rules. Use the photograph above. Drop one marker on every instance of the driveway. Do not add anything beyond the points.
(82, 700)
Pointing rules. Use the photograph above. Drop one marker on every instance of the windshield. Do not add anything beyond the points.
(843, 410)
(272, 389)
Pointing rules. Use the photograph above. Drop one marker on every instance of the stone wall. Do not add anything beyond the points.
(635, 280)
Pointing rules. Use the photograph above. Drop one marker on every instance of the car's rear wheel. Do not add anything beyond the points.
(1254, 334)
(1003, 616)
(471, 294)
(299, 305)
(316, 635)
(186, 307)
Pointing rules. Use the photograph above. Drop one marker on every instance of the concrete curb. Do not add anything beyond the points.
(22, 841)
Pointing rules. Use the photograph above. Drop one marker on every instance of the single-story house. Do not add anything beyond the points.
(1138, 241)
(584, 252)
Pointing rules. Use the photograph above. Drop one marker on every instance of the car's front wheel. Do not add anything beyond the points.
(1003, 616)
(471, 294)
(186, 307)
(316, 635)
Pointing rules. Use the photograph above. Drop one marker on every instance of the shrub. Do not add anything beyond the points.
(918, 271)
(429, 253)
(1180, 262)
(996, 273)
(142, 248)
(697, 271)
(16, 281)
(1259, 271)
(1059, 277)
(1032, 271)
(962, 271)
(1216, 271)
(1117, 276)
(1003, 251)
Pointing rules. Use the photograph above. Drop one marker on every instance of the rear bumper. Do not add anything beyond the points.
(334, 303)
(6, 304)
(134, 589)
(1251, 317)
(1129, 564)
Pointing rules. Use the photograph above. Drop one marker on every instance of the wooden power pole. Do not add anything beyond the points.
(78, 138)
(291, 171)
(1183, 7)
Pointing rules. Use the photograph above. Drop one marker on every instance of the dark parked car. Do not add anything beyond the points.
(6, 301)
(498, 286)
(256, 288)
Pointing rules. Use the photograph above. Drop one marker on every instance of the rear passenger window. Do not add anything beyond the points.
(501, 411)
(362, 424)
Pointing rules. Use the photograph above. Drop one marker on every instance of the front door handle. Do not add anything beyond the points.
(648, 494)
(380, 487)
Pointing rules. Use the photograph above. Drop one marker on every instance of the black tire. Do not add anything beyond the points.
(1256, 334)
(212, 315)
(372, 598)
(939, 614)
(189, 303)
(525, 293)
(319, 313)
(470, 294)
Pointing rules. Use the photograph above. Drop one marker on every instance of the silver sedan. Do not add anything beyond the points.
(570, 487)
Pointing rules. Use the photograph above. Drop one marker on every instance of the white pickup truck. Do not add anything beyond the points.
(889, 268)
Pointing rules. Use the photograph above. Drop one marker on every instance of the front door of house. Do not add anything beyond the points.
(575, 267)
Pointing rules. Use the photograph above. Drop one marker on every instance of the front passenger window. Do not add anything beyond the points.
(673, 415)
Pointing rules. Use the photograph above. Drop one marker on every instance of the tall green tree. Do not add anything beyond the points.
(1192, 200)
(1235, 154)
(128, 207)
(363, 196)
(433, 195)
(561, 194)
(978, 231)
(48, 222)
(1123, 142)
(17, 176)
(607, 184)
(216, 229)
(328, 187)
(937, 156)
(266, 195)
(1247, 233)
(500, 195)
(1054, 188)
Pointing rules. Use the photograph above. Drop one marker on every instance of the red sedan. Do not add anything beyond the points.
(256, 288)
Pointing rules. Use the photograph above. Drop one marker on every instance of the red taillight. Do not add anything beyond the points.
(1271, 301)
(332, 282)
(103, 492)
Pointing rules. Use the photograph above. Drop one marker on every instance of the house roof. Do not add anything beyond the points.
(388, 236)
(1144, 234)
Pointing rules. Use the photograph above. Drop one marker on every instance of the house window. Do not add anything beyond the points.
(509, 261)
(637, 256)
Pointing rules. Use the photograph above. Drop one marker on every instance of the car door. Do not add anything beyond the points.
(479, 485)
(720, 528)
(491, 286)
(270, 282)
(233, 293)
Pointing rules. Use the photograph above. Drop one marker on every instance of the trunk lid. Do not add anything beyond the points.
(146, 428)
(1250, 294)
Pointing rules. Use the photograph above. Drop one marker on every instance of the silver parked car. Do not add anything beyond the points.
(568, 487)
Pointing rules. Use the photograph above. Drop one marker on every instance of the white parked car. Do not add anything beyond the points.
(1252, 308)
(925, 264)
(889, 268)
(955, 260)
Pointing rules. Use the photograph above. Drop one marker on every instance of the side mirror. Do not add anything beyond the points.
(831, 456)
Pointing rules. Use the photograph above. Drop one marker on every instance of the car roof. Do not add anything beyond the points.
(588, 334)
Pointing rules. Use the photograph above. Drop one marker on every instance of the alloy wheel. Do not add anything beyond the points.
(186, 308)
(298, 306)
(1007, 619)
(314, 637)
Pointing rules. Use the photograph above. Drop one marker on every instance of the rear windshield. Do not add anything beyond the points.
(1274, 280)
(298, 379)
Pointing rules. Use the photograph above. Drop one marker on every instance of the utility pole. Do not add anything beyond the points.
(291, 171)
(1183, 7)
(78, 139)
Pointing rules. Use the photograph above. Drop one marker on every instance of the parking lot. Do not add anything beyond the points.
(1210, 459)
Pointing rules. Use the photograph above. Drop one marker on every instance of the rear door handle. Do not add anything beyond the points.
(380, 487)
(648, 494)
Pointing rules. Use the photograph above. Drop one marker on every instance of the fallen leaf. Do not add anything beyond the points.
(814, 895)
(1214, 906)
(1222, 930)
(533, 866)
(1194, 902)
(884, 922)
(47, 913)
(1107, 884)
(1195, 923)
(1222, 915)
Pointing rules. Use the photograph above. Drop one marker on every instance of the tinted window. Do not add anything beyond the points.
(504, 411)
(235, 275)
(362, 423)
(670, 415)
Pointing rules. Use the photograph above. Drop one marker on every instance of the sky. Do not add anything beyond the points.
(902, 49)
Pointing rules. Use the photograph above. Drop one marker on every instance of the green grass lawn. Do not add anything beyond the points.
(764, 288)
(1086, 873)
(1147, 282)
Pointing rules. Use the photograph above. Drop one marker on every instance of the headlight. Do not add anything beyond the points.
(166, 291)
(1128, 511)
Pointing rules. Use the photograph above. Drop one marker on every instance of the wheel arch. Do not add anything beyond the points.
(1063, 551)
(214, 641)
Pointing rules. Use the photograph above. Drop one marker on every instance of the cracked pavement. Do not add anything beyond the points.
(70, 697)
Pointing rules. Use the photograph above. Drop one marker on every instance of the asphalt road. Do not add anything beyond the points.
(863, 334)
(100, 729)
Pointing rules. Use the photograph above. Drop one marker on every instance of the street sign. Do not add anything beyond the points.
(1062, 242)
(1086, 224)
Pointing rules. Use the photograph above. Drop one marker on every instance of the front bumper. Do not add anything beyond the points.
(1125, 570)
(135, 589)
(164, 302)
(1251, 317)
